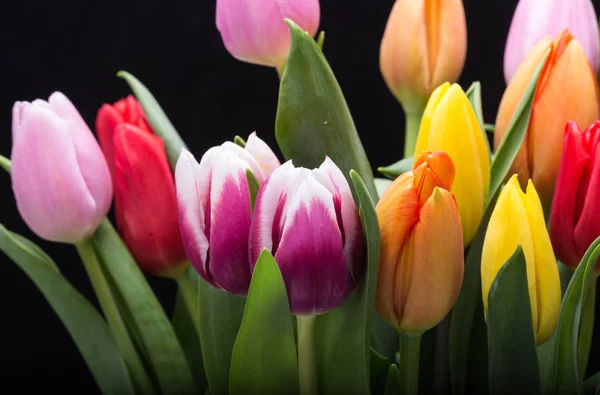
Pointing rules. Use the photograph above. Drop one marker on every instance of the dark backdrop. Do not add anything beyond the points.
(174, 48)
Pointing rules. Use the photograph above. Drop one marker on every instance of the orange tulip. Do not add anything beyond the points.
(421, 263)
(566, 90)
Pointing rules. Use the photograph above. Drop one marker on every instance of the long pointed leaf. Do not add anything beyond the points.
(395, 169)
(474, 96)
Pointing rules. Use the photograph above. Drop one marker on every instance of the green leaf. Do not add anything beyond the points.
(220, 319)
(490, 128)
(158, 338)
(589, 386)
(393, 386)
(157, 119)
(565, 375)
(467, 338)
(394, 170)
(188, 336)
(239, 141)
(313, 119)
(379, 371)
(382, 184)
(513, 366)
(5, 163)
(321, 40)
(86, 326)
(264, 359)
(253, 186)
(343, 334)
(515, 133)
(474, 96)
(384, 337)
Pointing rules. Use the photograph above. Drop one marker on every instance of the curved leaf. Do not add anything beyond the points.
(474, 96)
(379, 371)
(394, 170)
(84, 323)
(264, 359)
(5, 163)
(393, 384)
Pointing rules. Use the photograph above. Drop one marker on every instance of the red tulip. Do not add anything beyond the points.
(145, 197)
(574, 220)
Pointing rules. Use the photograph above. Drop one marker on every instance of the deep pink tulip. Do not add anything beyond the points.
(535, 19)
(214, 209)
(60, 178)
(309, 222)
(254, 31)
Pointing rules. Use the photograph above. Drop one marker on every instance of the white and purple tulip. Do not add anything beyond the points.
(308, 220)
(214, 209)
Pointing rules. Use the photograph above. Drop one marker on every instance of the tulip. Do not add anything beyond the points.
(574, 220)
(450, 124)
(214, 209)
(424, 45)
(255, 31)
(421, 261)
(535, 19)
(308, 220)
(518, 219)
(60, 178)
(566, 90)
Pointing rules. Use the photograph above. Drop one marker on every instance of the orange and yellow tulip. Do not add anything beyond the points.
(421, 263)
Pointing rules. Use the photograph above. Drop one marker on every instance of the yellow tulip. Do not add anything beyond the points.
(449, 124)
(518, 219)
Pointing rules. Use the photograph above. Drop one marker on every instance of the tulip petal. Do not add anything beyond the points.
(17, 118)
(107, 120)
(56, 205)
(425, 127)
(311, 254)
(262, 154)
(245, 156)
(436, 265)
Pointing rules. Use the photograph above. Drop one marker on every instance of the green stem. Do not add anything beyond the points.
(410, 347)
(587, 329)
(190, 298)
(307, 368)
(413, 123)
(113, 317)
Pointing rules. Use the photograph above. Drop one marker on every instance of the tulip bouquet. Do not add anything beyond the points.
(467, 266)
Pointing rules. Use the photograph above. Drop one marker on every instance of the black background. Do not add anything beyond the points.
(174, 48)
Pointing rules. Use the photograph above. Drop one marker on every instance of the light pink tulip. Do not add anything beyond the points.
(254, 31)
(214, 209)
(536, 19)
(60, 178)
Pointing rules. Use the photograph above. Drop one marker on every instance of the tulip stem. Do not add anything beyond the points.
(113, 317)
(587, 328)
(190, 298)
(413, 123)
(307, 368)
(410, 348)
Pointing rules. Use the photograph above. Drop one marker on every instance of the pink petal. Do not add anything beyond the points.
(246, 157)
(262, 154)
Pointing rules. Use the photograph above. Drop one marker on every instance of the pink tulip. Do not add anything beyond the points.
(536, 19)
(254, 31)
(214, 209)
(60, 178)
(309, 222)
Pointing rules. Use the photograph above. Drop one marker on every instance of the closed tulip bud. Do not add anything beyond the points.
(518, 219)
(534, 19)
(575, 218)
(449, 124)
(255, 31)
(214, 209)
(424, 45)
(566, 90)
(308, 220)
(60, 178)
(421, 261)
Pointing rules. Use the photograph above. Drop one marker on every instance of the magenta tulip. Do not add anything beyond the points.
(309, 222)
(60, 178)
(254, 31)
(535, 19)
(214, 209)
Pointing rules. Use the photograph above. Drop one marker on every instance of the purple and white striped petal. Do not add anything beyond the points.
(262, 154)
(246, 157)
(310, 254)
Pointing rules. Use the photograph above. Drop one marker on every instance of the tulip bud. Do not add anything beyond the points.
(60, 179)
(255, 31)
(518, 219)
(449, 124)
(421, 261)
(535, 19)
(424, 45)
(308, 220)
(566, 90)
(574, 222)
(214, 209)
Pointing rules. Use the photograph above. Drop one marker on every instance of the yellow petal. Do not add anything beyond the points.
(436, 260)
(425, 128)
